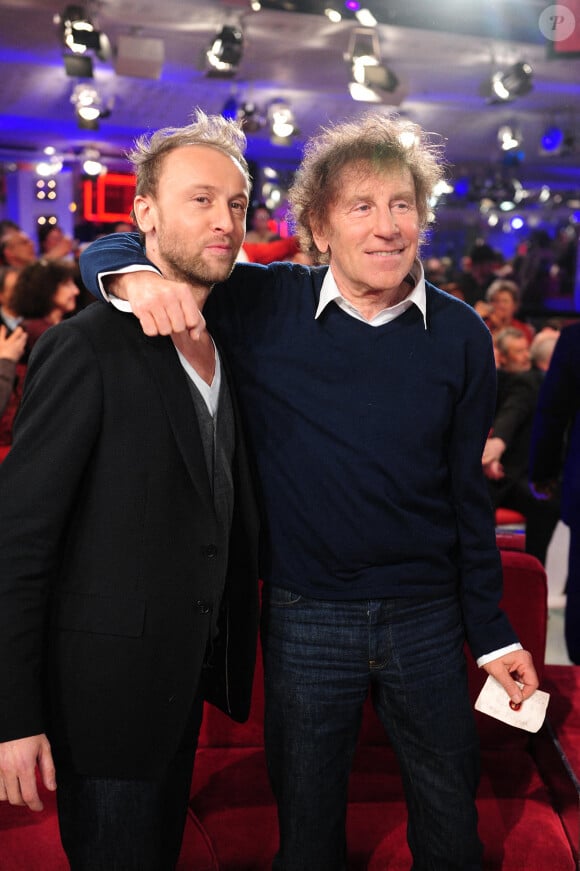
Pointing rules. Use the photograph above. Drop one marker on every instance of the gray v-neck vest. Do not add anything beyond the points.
(218, 438)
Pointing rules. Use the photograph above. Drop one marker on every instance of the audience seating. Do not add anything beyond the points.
(528, 819)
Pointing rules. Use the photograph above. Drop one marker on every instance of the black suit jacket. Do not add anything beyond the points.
(108, 568)
(517, 397)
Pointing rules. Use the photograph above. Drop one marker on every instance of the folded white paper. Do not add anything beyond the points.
(494, 701)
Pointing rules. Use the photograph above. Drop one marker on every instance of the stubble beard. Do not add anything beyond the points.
(194, 270)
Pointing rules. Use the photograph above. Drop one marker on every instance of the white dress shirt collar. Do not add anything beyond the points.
(417, 296)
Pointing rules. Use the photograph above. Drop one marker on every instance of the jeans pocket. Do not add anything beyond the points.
(282, 597)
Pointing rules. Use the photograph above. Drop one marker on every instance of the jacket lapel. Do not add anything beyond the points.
(166, 371)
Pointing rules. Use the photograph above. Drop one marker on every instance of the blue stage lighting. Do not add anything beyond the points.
(552, 138)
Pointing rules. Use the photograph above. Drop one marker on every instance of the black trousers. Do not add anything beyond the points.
(111, 824)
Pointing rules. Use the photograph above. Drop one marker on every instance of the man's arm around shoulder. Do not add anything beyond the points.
(116, 266)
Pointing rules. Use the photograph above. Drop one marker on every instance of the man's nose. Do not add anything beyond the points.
(386, 223)
(222, 217)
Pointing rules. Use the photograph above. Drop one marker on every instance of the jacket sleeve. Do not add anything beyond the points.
(55, 431)
(516, 409)
(115, 252)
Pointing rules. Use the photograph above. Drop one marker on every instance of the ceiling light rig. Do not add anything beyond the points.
(91, 163)
(89, 108)
(81, 39)
(507, 85)
(246, 112)
(281, 122)
(224, 54)
(371, 80)
(509, 138)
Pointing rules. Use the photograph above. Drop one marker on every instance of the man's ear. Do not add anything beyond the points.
(145, 213)
(320, 239)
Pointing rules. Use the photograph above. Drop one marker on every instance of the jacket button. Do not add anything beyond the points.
(210, 551)
(203, 607)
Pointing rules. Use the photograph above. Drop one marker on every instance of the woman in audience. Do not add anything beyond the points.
(502, 298)
(44, 294)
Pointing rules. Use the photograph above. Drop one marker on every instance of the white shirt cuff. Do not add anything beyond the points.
(495, 654)
(122, 304)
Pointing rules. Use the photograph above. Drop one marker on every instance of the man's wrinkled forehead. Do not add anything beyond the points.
(361, 172)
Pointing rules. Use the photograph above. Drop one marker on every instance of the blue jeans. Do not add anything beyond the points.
(320, 659)
(112, 824)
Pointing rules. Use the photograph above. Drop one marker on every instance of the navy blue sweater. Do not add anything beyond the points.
(368, 441)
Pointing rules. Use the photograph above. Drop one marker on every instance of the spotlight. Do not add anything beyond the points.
(225, 52)
(91, 162)
(78, 31)
(79, 34)
(369, 76)
(281, 121)
(514, 82)
(509, 138)
(251, 119)
(80, 37)
(552, 139)
(50, 166)
(88, 107)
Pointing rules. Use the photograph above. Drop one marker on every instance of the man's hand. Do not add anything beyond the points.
(18, 760)
(12, 347)
(162, 306)
(493, 450)
(512, 667)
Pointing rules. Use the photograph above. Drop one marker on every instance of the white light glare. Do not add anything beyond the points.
(91, 162)
(442, 187)
(544, 194)
(333, 15)
(281, 120)
(363, 94)
(498, 87)
(408, 138)
(508, 140)
(365, 17)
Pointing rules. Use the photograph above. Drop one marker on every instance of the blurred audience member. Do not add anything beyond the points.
(532, 269)
(453, 288)
(260, 223)
(563, 269)
(479, 270)
(16, 247)
(512, 350)
(436, 271)
(506, 453)
(123, 227)
(555, 456)
(45, 292)
(542, 348)
(53, 243)
(503, 298)
(12, 347)
(10, 318)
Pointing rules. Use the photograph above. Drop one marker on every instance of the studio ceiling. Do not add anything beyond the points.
(441, 52)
